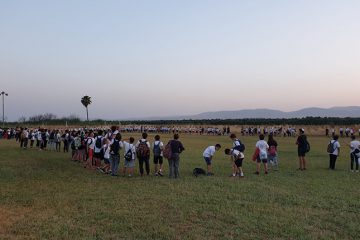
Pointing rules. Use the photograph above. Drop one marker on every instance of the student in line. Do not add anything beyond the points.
(129, 156)
(273, 153)
(158, 148)
(335, 152)
(174, 162)
(115, 147)
(143, 154)
(301, 142)
(263, 154)
(354, 154)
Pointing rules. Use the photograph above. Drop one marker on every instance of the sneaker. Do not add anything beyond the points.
(266, 172)
(241, 175)
(232, 175)
(257, 173)
(357, 171)
(351, 170)
(156, 174)
(160, 174)
(210, 174)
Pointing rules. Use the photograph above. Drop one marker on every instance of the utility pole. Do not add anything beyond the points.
(3, 94)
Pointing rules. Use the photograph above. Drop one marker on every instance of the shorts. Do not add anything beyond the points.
(158, 160)
(301, 152)
(259, 160)
(129, 164)
(207, 160)
(238, 162)
(99, 155)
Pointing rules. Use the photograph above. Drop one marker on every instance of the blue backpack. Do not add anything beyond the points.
(240, 147)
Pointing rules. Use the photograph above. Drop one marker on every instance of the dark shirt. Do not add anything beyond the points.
(301, 141)
(176, 146)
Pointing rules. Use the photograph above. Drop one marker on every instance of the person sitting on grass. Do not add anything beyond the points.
(237, 158)
(263, 154)
(208, 155)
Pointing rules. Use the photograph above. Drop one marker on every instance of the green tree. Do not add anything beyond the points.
(86, 101)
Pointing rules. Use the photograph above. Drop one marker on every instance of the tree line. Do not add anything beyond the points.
(52, 119)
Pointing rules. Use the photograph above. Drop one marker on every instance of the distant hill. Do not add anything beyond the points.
(342, 112)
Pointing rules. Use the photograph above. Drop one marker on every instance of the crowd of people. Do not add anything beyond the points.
(99, 149)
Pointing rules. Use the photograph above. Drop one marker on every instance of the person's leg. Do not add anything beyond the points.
(141, 166)
(352, 159)
(300, 163)
(334, 162)
(330, 160)
(176, 166)
(171, 168)
(265, 166)
(147, 165)
(156, 165)
(303, 163)
(161, 161)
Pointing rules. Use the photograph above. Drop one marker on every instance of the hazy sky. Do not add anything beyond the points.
(156, 58)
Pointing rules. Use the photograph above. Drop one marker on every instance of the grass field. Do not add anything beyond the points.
(43, 195)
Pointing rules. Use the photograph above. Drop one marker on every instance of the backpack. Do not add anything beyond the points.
(272, 151)
(167, 151)
(307, 145)
(98, 143)
(198, 171)
(115, 148)
(129, 155)
(240, 147)
(331, 147)
(143, 150)
(157, 150)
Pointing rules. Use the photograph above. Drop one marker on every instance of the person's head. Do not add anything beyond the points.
(118, 137)
(176, 136)
(227, 151)
(336, 137)
(302, 131)
(113, 128)
(131, 140)
(261, 137)
(100, 132)
(233, 136)
(353, 137)
(144, 135)
(217, 147)
(157, 138)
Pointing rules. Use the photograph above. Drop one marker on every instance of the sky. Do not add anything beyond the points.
(141, 58)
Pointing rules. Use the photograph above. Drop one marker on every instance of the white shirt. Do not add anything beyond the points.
(106, 148)
(127, 147)
(354, 145)
(97, 150)
(263, 147)
(336, 145)
(209, 152)
(237, 154)
(91, 143)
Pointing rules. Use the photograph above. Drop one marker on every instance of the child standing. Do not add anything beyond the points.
(208, 155)
(237, 158)
(158, 148)
(263, 156)
(129, 155)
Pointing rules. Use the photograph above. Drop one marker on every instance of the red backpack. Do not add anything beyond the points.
(167, 151)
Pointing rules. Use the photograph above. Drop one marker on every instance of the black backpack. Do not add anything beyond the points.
(129, 155)
(198, 171)
(115, 148)
(98, 142)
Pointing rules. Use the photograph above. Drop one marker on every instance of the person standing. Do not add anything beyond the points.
(263, 154)
(354, 153)
(143, 154)
(174, 162)
(273, 153)
(158, 148)
(335, 151)
(115, 147)
(302, 144)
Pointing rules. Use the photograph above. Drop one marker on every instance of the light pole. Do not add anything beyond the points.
(3, 94)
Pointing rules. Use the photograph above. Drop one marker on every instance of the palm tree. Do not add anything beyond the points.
(86, 101)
